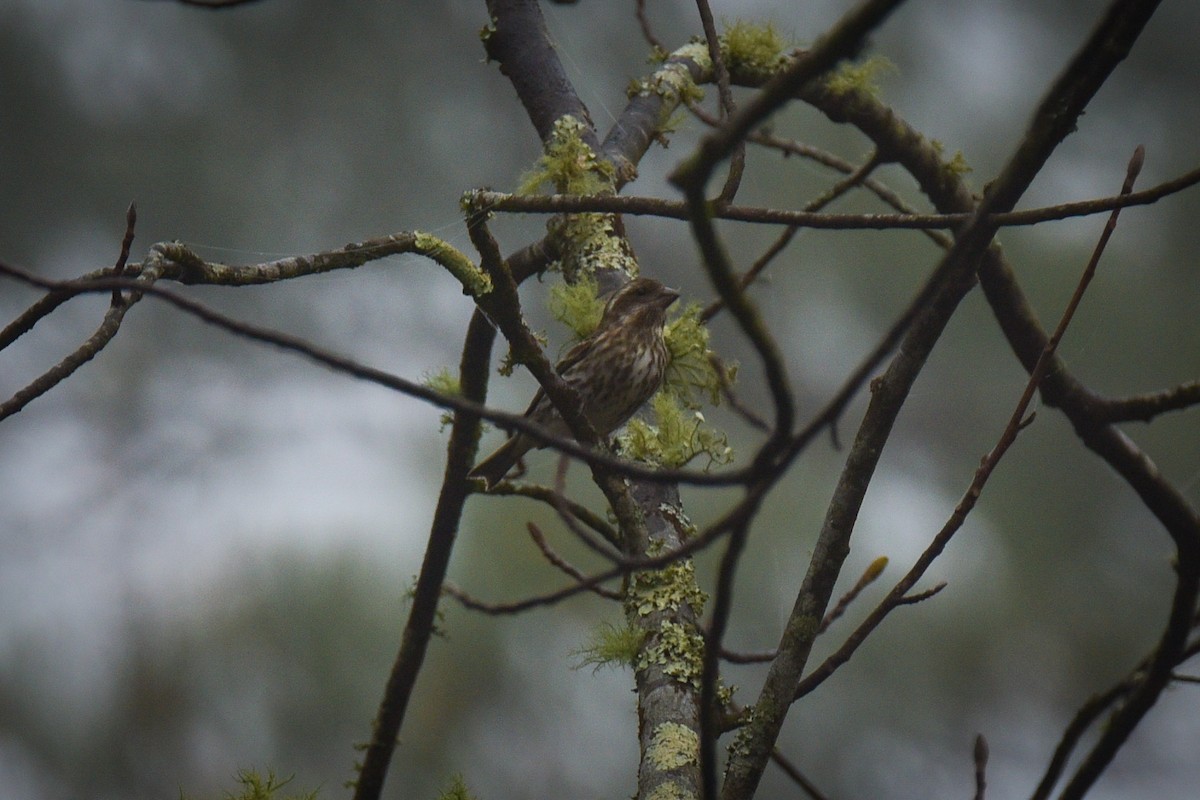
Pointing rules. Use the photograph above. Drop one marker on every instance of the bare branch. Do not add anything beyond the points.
(1054, 119)
(980, 757)
(353, 368)
(126, 242)
(566, 506)
(798, 777)
(1016, 422)
(751, 274)
(647, 31)
(869, 576)
(841, 41)
(737, 158)
(1145, 407)
(474, 370)
(565, 566)
(519, 42)
(673, 209)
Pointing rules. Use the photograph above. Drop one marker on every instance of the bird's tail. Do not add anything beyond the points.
(493, 468)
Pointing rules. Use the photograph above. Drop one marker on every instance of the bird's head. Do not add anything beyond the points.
(640, 295)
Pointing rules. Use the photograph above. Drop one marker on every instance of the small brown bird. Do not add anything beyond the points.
(616, 369)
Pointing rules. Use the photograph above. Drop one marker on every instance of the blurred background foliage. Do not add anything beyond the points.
(205, 545)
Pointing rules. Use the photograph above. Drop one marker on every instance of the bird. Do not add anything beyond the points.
(616, 370)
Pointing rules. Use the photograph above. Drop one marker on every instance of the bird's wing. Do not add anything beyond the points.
(572, 357)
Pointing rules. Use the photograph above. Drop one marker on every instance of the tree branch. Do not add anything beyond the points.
(1055, 117)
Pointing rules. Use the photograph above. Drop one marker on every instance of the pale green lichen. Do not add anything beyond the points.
(611, 646)
(674, 649)
(475, 281)
(676, 436)
(670, 790)
(569, 164)
(956, 166)
(740, 746)
(680, 521)
(487, 32)
(509, 362)
(457, 790)
(576, 305)
(725, 694)
(672, 82)
(259, 787)
(590, 243)
(673, 746)
(859, 77)
(692, 373)
(673, 436)
(754, 49)
(443, 381)
(665, 589)
(677, 651)
(697, 52)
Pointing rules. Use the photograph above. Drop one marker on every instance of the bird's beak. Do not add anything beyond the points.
(667, 296)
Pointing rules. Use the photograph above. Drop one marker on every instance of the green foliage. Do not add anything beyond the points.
(457, 790)
(568, 163)
(576, 305)
(611, 646)
(257, 787)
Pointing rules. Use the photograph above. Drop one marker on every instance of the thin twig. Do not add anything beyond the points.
(751, 416)
(736, 657)
(800, 779)
(474, 370)
(123, 258)
(647, 31)
(565, 566)
(790, 147)
(785, 238)
(737, 158)
(869, 576)
(921, 597)
(674, 209)
(576, 511)
(1088, 713)
(722, 606)
(980, 757)
(1145, 407)
(1016, 422)
(104, 334)
(361, 371)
